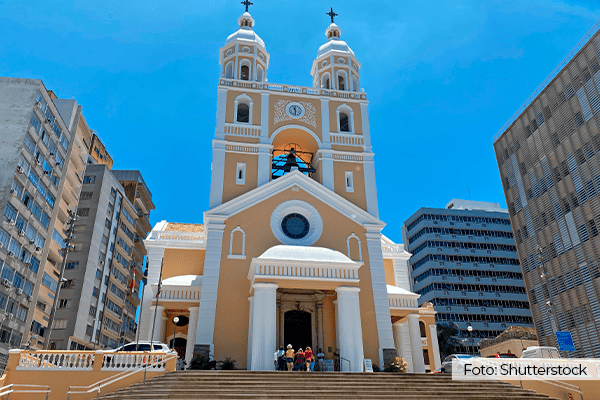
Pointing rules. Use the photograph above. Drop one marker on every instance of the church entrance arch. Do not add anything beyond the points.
(297, 328)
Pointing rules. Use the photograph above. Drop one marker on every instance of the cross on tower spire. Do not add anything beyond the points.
(331, 14)
(247, 4)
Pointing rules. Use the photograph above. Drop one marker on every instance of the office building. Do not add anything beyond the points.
(548, 162)
(464, 261)
(100, 292)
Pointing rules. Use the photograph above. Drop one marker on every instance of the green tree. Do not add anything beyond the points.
(446, 339)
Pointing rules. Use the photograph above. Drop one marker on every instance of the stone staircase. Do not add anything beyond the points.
(192, 385)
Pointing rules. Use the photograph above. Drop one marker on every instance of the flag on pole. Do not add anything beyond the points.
(131, 285)
(159, 289)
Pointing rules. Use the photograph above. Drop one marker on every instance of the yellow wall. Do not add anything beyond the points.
(231, 189)
(178, 262)
(357, 197)
(389, 272)
(231, 321)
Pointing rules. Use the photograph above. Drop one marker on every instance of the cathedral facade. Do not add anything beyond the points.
(291, 250)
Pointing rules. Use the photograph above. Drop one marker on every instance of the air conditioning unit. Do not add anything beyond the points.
(13, 192)
(21, 232)
(38, 163)
(38, 104)
(19, 291)
(101, 262)
(20, 170)
(47, 172)
(51, 155)
(49, 121)
(12, 222)
(31, 242)
(10, 316)
(10, 254)
(28, 298)
(5, 282)
(38, 249)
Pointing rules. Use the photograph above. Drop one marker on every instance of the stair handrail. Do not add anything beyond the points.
(349, 364)
(565, 385)
(97, 386)
(8, 389)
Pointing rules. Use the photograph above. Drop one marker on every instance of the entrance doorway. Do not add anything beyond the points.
(179, 345)
(297, 329)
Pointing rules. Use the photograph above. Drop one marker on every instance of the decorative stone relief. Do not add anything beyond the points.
(261, 56)
(281, 114)
(324, 63)
(341, 60)
(246, 49)
(228, 53)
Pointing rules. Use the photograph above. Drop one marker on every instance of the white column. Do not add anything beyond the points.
(221, 111)
(264, 164)
(327, 168)
(191, 335)
(436, 347)
(250, 320)
(370, 184)
(397, 329)
(415, 341)
(264, 326)
(155, 258)
(380, 295)
(217, 174)
(156, 320)
(210, 284)
(351, 343)
(366, 130)
(282, 328)
(264, 117)
(325, 123)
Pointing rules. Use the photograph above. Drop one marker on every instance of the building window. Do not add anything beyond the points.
(237, 244)
(349, 182)
(243, 113)
(64, 303)
(85, 195)
(89, 179)
(245, 73)
(259, 73)
(341, 82)
(83, 212)
(229, 70)
(240, 174)
(345, 117)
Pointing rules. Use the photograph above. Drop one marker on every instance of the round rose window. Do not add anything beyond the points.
(295, 226)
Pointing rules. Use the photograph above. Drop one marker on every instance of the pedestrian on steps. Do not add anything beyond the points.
(289, 357)
(321, 359)
(308, 358)
(281, 359)
(300, 360)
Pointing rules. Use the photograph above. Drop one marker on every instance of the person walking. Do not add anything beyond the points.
(300, 360)
(281, 359)
(289, 357)
(308, 358)
(321, 359)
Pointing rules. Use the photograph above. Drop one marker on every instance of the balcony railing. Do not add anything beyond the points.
(293, 89)
(403, 300)
(190, 237)
(304, 270)
(242, 130)
(346, 139)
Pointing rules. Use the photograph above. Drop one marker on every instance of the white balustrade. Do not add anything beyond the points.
(242, 130)
(184, 293)
(347, 157)
(317, 271)
(178, 236)
(293, 89)
(402, 301)
(52, 361)
(346, 139)
(392, 248)
(126, 361)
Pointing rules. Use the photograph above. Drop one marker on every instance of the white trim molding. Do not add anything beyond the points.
(359, 246)
(348, 110)
(245, 100)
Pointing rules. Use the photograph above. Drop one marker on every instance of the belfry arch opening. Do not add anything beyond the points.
(293, 149)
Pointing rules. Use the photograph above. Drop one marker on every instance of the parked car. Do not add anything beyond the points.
(541, 352)
(502, 355)
(143, 345)
(447, 364)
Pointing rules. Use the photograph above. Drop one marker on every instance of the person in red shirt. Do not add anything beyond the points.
(300, 360)
(308, 358)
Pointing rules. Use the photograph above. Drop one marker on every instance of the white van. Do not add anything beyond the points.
(541, 352)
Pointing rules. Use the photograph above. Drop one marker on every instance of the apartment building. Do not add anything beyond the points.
(547, 155)
(465, 262)
(100, 292)
(37, 187)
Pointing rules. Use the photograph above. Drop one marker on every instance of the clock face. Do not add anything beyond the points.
(295, 110)
(295, 226)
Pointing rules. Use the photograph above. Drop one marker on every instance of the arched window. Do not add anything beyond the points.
(259, 74)
(237, 244)
(245, 73)
(344, 122)
(325, 81)
(355, 85)
(354, 250)
(243, 113)
(229, 70)
(422, 329)
(341, 83)
(243, 109)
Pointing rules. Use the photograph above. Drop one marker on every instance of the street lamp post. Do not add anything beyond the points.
(175, 322)
(470, 329)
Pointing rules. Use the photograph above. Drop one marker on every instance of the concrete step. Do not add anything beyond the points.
(248, 385)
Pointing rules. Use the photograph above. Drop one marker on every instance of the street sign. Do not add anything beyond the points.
(565, 341)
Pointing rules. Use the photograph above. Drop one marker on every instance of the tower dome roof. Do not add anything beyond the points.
(334, 43)
(245, 32)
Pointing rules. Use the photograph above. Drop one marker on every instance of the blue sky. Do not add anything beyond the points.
(442, 77)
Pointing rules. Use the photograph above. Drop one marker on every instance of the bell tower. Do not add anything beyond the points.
(265, 131)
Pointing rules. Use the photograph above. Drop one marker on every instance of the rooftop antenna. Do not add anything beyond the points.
(469, 191)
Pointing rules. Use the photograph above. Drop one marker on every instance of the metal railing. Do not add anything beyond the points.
(563, 385)
(349, 364)
(97, 386)
(7, 390)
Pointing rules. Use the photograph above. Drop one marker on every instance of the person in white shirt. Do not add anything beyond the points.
(321, 359)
